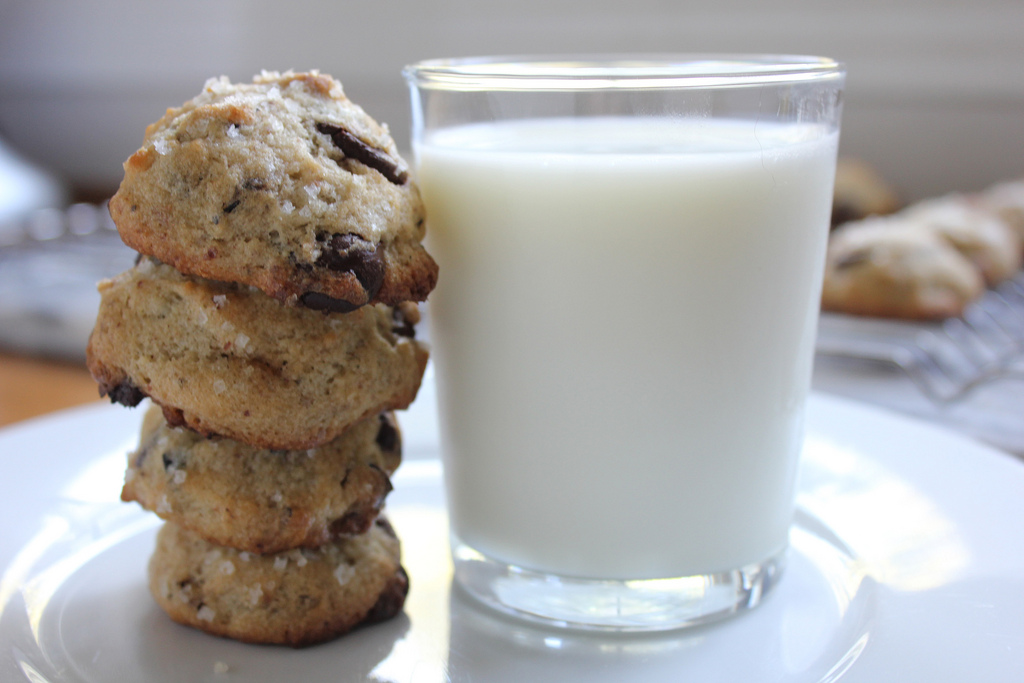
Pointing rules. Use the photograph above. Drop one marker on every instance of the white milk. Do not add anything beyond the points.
(624, 340)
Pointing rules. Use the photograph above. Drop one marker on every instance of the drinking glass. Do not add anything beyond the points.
(631, 253)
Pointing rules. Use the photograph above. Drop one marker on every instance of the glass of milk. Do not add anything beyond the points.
(631, 254)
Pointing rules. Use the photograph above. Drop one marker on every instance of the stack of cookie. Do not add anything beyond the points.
(270, 321)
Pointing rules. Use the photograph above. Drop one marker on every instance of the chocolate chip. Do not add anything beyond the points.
(401, 325)
(391, 599)
(354, 148)
(353, 523)
(125, 393)
(388, 437)
(250, 185)
(353, 254)
(327, 304)
(173, 460)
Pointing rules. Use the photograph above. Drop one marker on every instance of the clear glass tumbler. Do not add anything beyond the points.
(631, 254)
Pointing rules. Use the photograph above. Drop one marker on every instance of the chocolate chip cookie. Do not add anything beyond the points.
(258, 500)
(226, 359)
(283, 184)
(297, 598)
(887, 267)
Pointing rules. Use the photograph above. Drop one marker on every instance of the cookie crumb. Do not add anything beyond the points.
(221, 667)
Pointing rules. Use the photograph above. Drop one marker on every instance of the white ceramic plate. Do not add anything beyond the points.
(907, 564)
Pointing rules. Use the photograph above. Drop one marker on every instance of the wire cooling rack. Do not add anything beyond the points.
(948, 360)
(50, 262)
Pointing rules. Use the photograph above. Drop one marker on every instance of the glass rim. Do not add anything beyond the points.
(613, 72)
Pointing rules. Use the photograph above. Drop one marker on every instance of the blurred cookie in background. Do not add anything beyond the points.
(978, 233)
(1006, 200)
(888, 267)
(860, 191)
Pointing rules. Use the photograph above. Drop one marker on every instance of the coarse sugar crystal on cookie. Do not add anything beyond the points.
(259, 500)
(226, 359)
(284, 184)
(298, 597)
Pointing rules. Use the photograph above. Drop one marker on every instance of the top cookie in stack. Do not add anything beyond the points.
(283, 184)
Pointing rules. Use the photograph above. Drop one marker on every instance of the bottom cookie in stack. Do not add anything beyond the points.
(271, 546)
(297, 597)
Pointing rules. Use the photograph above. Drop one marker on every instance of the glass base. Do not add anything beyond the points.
(611, 605)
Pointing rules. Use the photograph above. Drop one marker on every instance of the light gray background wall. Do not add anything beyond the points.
(935, 94)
